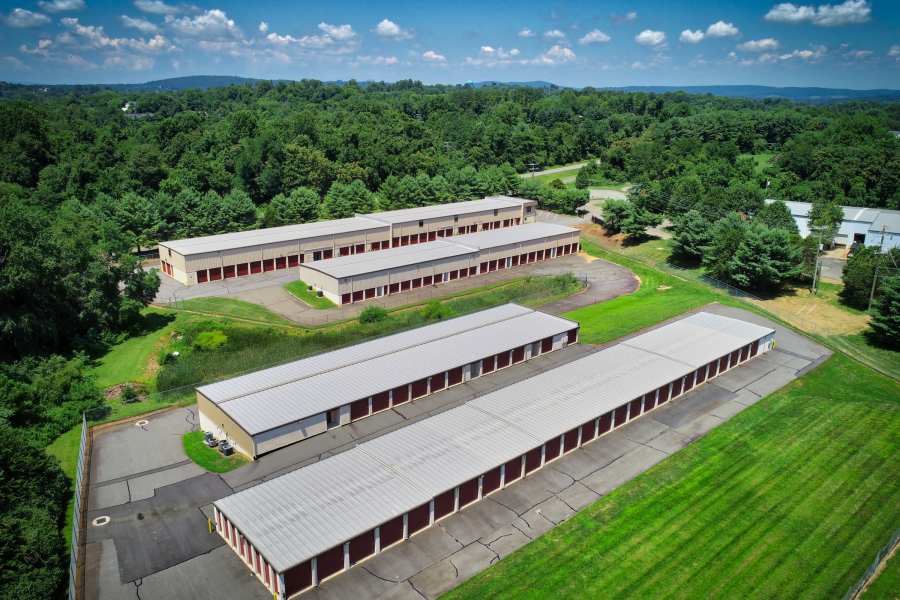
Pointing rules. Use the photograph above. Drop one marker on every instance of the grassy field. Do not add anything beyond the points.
(234, 309)
(760, 160)
(209, 458)
(129, 360)
(299, 291)
(789, 499)
(65, 449)
(887, 585)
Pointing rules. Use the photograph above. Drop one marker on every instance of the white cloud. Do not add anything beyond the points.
(213, 23)
(95, 37)
(554, 56)
(894, 51)
(554, 34)
(156, 7)
(490, 56)
(42, 48)
(390, 30)
(131, 62)
(525, 33)
(340, 33)
(263, 27)
(55, 6)
(21, 18)
(762, 45)
(825, 15)
(594, 37)
(815, 54)
(378, 60)
(432, 56)
(691, 37)
(15, 63)
(304, 41)
(721, 29)
(859, 54)
(648, 37)
(628, 17)
(142, 25)
(336, 39)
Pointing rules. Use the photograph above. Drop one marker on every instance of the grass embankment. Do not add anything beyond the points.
(234, 309)
(298, 289)
(789, 499)
(886, 585)
(209, 458)
(65, 449)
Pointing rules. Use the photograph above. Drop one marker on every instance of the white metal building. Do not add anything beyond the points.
(349, 279)
(243, 253)
(268, 409)
(301, 528)
(864, 225)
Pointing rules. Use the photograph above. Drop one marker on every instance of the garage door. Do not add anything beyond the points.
(502, 360)
(487, 365)
(330, 562)
(570, 440)
(296, 578)
(649, 401)
(712, 369)
(468, 492)
(621, 415)
(688, 381)
(546, 345)
(551, 449)
(419, 388)
(700, 375)
(754, 348)
(391, 532)
(572, 336)
(438, 382)
(401, 394)
(454, 376)
(533, 459)
(359, 409)
(676, 388)
(417, 519)
(734, 357)
(518, 354)
(490, 481)
(444, 504)
(745, 351)
(723, 364)
(380, 402)
(513, 469)
(588, 431)
(636, 405)
(663, 396)
(362, 546)
(605, 423)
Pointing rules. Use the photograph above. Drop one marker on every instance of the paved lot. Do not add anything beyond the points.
(161, 542)
(832, 268)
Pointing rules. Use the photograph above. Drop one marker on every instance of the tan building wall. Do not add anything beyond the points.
(213, 419)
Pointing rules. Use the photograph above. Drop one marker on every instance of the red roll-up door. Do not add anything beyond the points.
(362, 546)
(501, 264)
(745, 352)
(427, 280)
(358, 295)
(243, 269)
(454, 376)
(636, 406)
(454, 275)
(700, 375)
(551, 449)
(515, 260)
(468, 492)
(649, 401)
(463, 273)
(296, 578)
(360, 248)
(346, 298)
(734, 357)
(405, 285)
(513, 469)
(401, 394)
(438, 382)
(663, 396)
(420, 388)
(293, 260)
(487, 365)
(202, 276)
(393, 288)
(573, 336)
(490, 481)
(518, 354)
(532, 459)
(268, 265)
(328, 253)
(621, 415)
(359, 409)
(417, 283)
(215, 274)
(330, 562)
(281, 262)
(712, 369)
(502, 360)
(473, 270)
(688, 381)
(570, 440)
(676, 388)
(546, 345)
(370, 293)
(391, 532)
(723, 364)
(444, 504)
(484, 267)
(418, 518)
(432, 235)
(228, 272)
(588, 431)
(492, 265)
(380, 401)
(404, 240)
(255, 267)
(605, 423)
(754, 348)
(344, 251)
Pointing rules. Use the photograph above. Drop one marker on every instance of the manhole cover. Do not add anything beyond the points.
(142, 423)
(140, 516)
(100, 521)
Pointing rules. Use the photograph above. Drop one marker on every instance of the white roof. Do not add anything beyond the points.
(297, 516)
(404, 256)
(315, 385)
(889, 219)
(371, 221)
(860, 214)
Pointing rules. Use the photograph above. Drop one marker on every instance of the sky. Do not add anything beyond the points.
(852, 44)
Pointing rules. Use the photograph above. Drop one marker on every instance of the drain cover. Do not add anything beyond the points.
(100, 521)
(142, 423)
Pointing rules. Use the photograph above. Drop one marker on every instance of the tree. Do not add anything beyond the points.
(306, 166)
(776, 215)
(824, 220)
(615, 212)
(688, 191)
(638, 221)
(725, 239)
(764, 259)
(885, 323)
(859, 272)
(691, 233)
(346, 199)
(300, 206)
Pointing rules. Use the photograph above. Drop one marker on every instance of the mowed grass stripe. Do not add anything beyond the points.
(791, 498)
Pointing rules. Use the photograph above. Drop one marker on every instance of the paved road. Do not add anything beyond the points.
(832, 268)
(161, 542)
(555, 170)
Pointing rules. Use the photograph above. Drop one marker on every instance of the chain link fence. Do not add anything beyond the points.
(75, 554)
(855, 591)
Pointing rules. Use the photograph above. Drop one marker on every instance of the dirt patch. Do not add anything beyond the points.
(116, 391)
(814, 314)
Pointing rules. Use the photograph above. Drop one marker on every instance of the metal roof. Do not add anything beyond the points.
(889, 219)
(263, 379)
(317, 392)
(404, 256)
(435, 211)
(370, 221)
(860, 214)
(296, 516)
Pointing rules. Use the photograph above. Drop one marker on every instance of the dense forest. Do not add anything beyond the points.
(87, 177)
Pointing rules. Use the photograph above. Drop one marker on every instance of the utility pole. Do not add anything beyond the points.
(877, 267)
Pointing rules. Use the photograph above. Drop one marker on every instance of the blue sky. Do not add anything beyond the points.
(854, 43)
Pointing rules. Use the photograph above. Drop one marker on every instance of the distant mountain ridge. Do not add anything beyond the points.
(815, 95)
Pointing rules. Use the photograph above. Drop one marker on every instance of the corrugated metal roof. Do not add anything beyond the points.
(860, 214)
(377, 221)
(263, 379)
(303, 513)
(394, 258)
(447, 210)
(889, 219)
(318, 393)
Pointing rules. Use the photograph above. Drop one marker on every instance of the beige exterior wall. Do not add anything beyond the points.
(213, 419)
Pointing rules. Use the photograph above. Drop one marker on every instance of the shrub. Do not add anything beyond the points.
(210, 340)
(435, 311)
(372, 314)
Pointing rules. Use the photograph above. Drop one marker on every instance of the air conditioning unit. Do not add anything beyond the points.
(226, 448)
(210, 440)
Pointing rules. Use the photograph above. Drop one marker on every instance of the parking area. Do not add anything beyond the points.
(159, 545)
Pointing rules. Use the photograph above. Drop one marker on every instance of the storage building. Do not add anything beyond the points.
(348, 279)
(215, 257)
(269, 409)
(877, 227)
(297, 530)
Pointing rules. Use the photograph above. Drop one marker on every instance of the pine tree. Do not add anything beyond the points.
(691, 233)
(885, 322)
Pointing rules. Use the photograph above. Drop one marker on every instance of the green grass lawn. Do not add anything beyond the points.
(209, 458)
(887, 585)
(65, 449)
(789, 499)
(858, 346)
(761, 160)
(235, 309)
(299, 291)
(128, 360)
(660, 296)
